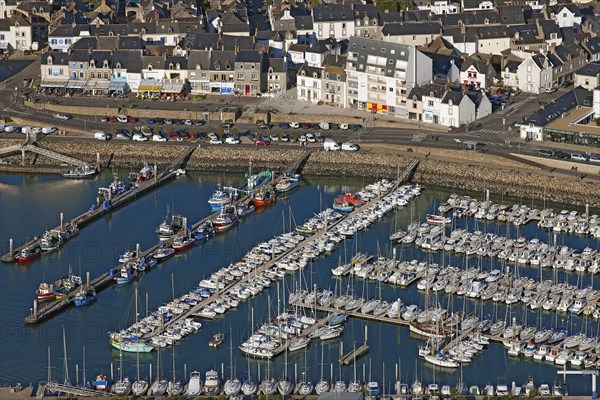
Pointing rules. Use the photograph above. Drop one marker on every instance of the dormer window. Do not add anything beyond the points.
(227, 66)
(92, 63)
(118, 65)
(149, 67)
(105, 64)
(217, 66)
(170, 65)
(177, 66)
(198, 66)
(49, 62)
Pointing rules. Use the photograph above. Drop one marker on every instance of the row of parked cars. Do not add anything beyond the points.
(305, 125)
(569, 156)
(26, 129)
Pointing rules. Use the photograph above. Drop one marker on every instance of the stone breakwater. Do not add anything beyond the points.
(459, 170)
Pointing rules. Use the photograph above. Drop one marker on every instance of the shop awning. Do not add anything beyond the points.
(150, 87)
(172, 88)
(97, 85)
(117, 86)
(54, 84)
(74, 84)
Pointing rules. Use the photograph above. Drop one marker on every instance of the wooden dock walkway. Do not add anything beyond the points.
(91, 215)
(354, 354)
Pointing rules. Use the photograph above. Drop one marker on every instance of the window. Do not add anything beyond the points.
(240, 76)
(430, 103)
(391, 89)
(450, 110)
(254, 77)
(414, 104)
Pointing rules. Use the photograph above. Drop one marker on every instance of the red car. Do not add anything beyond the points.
(131, 120)
(112, 119)
(262, 142)
(304, 125)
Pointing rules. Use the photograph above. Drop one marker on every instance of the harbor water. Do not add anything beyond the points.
(29, 204)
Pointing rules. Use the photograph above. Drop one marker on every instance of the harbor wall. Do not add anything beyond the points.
(454, 169)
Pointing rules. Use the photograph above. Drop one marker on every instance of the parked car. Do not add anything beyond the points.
(168, 121)
(294, 125)
(102, 136)
(304, 125)
(349, 147)
(330, 145)
(354, 127)
(227, 125)
(551, 89)
(124, 134)
(10, 128)
(264, 126)
(544, 153)
(343, 126)
(150, 121)
(274, 137)
(188, 122)
(302, 138)
(64, 117)
(319, 138)
(104, 119)
(578, 157)
(285, 137)
(157, 137)
(232, 140)
(122, 118)
(132, 120)
(138, 137)
(284, 125)
(261, 142)
(216, 140)
(310, 138)
(594, 159)
(561, 154)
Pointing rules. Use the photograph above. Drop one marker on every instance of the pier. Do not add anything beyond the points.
(103, 281)
(116, 202)
(69, 390)
(195, 311)
(354, 354)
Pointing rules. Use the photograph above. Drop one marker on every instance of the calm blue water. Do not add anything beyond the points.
(29, 204)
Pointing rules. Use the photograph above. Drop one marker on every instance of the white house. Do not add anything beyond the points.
(16, 33)
(438, 6)
(566, 15)
(477, 5)
(333, 21)
(308, 84)
(534, 74)
(477, 74)
(456, 109)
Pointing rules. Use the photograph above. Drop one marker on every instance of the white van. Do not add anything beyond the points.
(578, 157)
(324, 125)
(26, 129)
(48, 129)
(349, 147)
(101, 136)
(330, 145)
(9, 128)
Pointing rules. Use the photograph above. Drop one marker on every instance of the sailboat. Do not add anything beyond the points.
(49, 379)
(140, 386)
(130, 343)
(175, 387)
(323, 385)
(159, 386)
(123, 385)
(233, 384)
(269, 385)
(249, 387)
(354, 386)
(285, 386)
(305, 387)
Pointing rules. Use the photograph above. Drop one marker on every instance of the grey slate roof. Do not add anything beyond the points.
(563, 104)
(332, 13)
(390, 17)
(250, 56)
(512, 65)
(593, 45)
(131, 60)
(222, 60)
(199, 58)
(421, 28)
(455, 96)
(591, 69)
(304, 22)
(365, 47)
(512, 15)
(435, 90)
(365, 10)
(57, 58)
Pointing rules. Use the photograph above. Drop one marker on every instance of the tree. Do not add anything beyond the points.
(395, 5)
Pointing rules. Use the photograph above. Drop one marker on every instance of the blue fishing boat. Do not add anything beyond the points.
(254, 181)
(343, 206)
(204, 232)
(126, 274)
(163, 252)
(219, 198)
(83, 298)
(245, 208)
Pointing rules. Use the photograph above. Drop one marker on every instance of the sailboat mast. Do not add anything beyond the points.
(49, 367)
(66, 362)
(84, 379)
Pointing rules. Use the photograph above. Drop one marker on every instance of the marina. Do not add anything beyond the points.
(147, 257)
(296, 350)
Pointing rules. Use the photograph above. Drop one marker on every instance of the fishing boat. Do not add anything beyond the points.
(66, 284)
(28, 254)
(204, 231)
(216, 340)
(79, 173)
(167, 229)
(254, 181)
(163, 252)
(263, 198)
(194, 386)
(437, 219)
(126, 274)
(101, 384)
(226, 219)
(219, 198)
(146, 173)
(44, 291)
(51, 240)
(84, 297)
(287, 183)
(245, 208)
(182, 243)
(342, 206)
